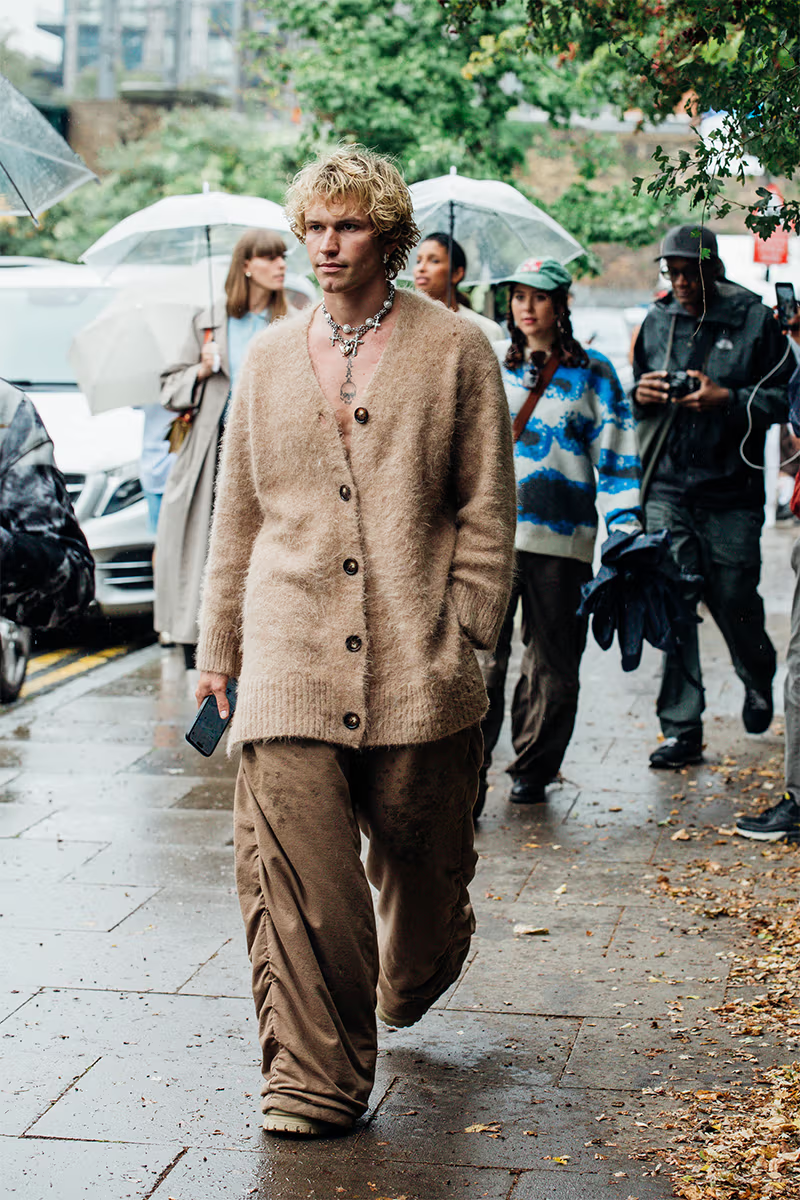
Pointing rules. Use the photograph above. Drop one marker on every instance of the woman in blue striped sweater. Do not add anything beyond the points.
(574, 456)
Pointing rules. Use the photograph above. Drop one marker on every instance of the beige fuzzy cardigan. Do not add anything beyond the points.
(347, 592)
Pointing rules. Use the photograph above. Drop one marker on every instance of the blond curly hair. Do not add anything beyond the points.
(373, 182)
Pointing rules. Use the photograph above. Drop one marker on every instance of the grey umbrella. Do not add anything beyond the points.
(37, 167)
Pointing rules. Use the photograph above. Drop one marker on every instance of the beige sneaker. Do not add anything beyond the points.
(278, 1121)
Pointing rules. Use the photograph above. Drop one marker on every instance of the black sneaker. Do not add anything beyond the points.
(526, 791)
(678, 751)
(757, 710)
(780, 821)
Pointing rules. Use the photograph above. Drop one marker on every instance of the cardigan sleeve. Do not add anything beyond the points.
(483, 558)
(237, 520)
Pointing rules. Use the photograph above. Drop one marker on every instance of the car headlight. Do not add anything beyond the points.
(123, 488)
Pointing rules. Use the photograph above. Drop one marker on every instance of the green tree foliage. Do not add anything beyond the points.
(190, 146)
(397, 76)
(740, 57)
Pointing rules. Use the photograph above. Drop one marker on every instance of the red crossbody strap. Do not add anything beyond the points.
(534, 395)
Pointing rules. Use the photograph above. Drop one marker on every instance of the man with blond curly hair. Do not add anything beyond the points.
(361, 551)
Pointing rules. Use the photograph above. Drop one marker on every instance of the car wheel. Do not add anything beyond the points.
(15, 648)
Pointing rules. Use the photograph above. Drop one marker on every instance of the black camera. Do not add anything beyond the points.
(681, 384)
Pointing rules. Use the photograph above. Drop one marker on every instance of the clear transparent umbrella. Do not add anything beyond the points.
(37, 167)
(182, 230)
(119, 356)
(172, 232)
(497, 227)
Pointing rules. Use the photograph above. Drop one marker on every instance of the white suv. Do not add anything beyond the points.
(40, 312)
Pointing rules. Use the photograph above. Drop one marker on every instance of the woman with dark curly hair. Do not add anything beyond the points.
(574, 455)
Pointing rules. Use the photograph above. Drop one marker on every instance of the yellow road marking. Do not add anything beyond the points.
(59, 674)
(42, 661)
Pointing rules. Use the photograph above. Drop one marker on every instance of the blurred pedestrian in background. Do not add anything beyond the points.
(711, 368)
(789, 442)
(156, 459)
(575, 455)
(782, 820)
(46, 567)
(198, 388)
(441, 259)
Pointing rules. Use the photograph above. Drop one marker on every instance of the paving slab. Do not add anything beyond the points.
(68, 906)
(514, 1122)
(184, 756)
(30, 1085)
(52, 757)
(588, 883)
(586, 1185)
(17, 818)
(36, 1168)
(288, 1173)
(46, 860)
(209, 1102)
(131, 959)
(148, 825)
(227, 973)
(10, 1000)
(132, 1024)
(115, 792)
(160, 865)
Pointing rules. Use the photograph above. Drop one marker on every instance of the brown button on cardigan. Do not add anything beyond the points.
(430, 525)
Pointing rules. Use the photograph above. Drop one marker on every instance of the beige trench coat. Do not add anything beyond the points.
(185, 518)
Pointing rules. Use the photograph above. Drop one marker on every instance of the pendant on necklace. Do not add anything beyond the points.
(349, 345)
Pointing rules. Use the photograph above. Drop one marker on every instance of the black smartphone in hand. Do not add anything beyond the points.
(208, 726)
(787, 304)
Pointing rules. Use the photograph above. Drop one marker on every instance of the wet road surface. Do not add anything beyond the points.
(62, 655)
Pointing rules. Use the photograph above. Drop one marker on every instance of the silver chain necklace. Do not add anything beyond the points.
(349, 344)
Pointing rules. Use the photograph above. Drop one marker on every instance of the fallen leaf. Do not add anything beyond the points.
(531, 930)
(560, 890)
(493, 1128)
(680, 835)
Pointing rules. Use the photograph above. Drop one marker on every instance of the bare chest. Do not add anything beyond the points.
(343, 380)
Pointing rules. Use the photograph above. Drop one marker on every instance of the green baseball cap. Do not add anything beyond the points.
(547, 274)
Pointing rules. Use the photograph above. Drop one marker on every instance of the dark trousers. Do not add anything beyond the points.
(546, 696)
(724, 549)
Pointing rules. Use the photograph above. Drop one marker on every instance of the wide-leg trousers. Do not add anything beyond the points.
(319, 962)
(724, 550)
(545, 698)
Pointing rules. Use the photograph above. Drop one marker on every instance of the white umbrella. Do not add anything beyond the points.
(119, 356)
(495, 224)
(181, 230)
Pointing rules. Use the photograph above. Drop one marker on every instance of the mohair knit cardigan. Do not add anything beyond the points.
(347, 592)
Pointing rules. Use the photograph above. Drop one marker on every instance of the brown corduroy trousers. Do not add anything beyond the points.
(318, 961)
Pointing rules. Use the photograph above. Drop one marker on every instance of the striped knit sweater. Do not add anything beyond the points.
(576, 456)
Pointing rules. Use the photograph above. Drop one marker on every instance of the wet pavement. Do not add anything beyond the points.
(129, 1052)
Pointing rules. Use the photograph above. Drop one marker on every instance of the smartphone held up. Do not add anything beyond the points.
(786, 303)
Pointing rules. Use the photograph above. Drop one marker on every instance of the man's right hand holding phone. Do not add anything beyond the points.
(211, 683)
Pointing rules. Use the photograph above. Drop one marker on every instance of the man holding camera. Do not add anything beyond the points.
(711, 369)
